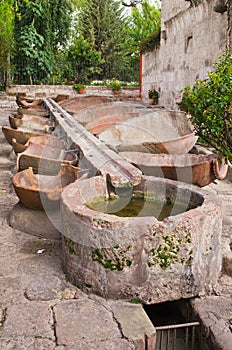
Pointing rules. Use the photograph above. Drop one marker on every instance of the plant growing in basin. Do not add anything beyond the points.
(80, 88)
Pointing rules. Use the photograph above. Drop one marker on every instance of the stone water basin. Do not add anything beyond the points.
(197, 169)
(161, 131)
(140, 257)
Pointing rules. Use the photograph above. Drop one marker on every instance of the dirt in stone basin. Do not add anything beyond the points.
(41, 246)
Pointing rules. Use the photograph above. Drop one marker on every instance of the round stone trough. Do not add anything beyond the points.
(142, 257)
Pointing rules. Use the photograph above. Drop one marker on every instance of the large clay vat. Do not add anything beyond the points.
(25, 102)
(46, 140)
(140, 257)
(79, 103)
(112, 110)
(157, 132)
(44, 160)
(38, 111)
(41, 191)
(31, 122)
(198, 169)
(99, 124)
(21, 135)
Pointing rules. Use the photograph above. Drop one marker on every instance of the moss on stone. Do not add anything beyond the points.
(70, 245)
(117, 263)
(168, 251)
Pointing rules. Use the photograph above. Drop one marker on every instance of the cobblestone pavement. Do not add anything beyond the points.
(40, 310)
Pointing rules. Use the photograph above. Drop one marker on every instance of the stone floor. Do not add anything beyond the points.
(40, 309)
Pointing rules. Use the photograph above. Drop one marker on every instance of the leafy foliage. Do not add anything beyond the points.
(6, 35)
(115, 85)
(209, 102)
(145, 26)
(102, 24)
(105, 43)
(78, 87)
(151, 42)
(153, 94)
(83, 60)
(41, 27)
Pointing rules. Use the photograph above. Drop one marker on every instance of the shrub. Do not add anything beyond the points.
(209, 103)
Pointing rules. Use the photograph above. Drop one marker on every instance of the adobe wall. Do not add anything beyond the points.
(192, 39)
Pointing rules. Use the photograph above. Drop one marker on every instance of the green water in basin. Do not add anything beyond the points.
(137, 206)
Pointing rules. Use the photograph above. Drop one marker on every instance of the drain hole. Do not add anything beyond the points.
(174, 331)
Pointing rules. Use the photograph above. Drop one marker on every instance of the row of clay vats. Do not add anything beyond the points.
(44, 167)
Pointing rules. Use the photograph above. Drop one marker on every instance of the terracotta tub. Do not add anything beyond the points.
(199, 169)
(41, 191)
(157, 132)
(21, 135)
(76, 104)
(40, 124)
(37, 110)
(44, 160)
(45, 140)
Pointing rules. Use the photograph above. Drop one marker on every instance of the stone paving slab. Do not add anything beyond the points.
(29, 320)
(215, 315)
(101, 323)
(26, 343)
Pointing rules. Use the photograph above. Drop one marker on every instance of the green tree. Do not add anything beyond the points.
(102, 24)
(145, 20)
(6, 37)
(209, 102)
(84, 62)
(41, 27)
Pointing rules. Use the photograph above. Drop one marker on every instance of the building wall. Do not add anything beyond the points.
(192, 39)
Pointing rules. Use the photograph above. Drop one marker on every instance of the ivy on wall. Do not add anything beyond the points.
(151, 42)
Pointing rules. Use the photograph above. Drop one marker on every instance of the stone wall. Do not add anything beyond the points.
(49, 90)
(8, 98)
(192, 39)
